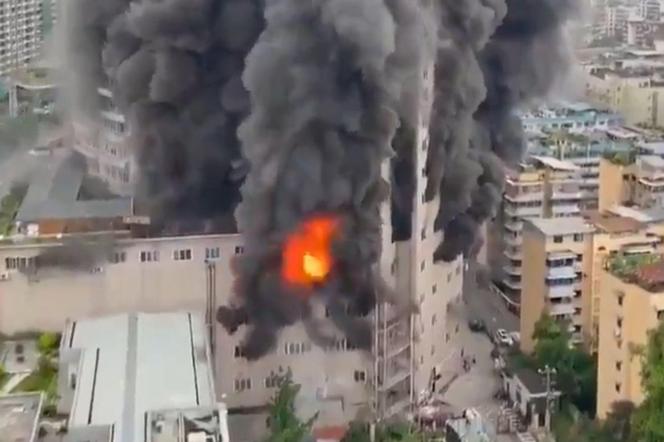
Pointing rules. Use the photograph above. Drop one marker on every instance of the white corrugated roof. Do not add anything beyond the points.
(135, 363)
(561, 226)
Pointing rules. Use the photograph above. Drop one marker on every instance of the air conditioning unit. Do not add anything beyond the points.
(5, 276)
(97, 270)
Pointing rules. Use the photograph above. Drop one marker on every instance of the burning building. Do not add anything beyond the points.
(365, 140)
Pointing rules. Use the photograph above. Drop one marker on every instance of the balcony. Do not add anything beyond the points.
(561, 309)
(566, 272)
(566, 209)
(512, 270)
(514, 285)
(514, 255)
(523, 211)
(513, 240)
(560, 292)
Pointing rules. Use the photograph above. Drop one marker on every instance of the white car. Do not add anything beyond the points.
(503, 338)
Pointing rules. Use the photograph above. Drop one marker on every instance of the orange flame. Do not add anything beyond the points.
(307, 257)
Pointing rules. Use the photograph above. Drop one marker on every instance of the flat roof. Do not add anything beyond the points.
(612, 223)
(560, 226)
(555, 163)
(134, 363)
(634, 213)
(54, 189)
(652, 161)
(19, 416)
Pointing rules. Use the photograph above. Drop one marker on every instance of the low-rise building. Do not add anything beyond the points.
(632, 304)
(529, 393)
(19, 417)
(139, 377)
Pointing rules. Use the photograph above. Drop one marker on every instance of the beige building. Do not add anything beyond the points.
(554, 261)
(632, 303)
(542, 188)
(635, 181)
(637, 94)
(127, 270)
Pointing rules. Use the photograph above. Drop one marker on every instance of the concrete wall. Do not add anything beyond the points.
(533, 288)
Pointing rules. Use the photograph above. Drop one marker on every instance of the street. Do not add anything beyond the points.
(16, 166)
(485, 305)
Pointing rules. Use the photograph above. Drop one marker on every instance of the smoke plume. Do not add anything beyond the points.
(174, 67)
(495, 56)
(316, 144)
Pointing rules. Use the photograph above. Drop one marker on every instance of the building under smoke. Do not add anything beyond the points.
(306, 102)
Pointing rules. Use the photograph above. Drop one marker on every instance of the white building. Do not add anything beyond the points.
(139, 377)
(20, 33)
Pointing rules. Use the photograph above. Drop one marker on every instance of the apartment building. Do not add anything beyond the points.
(105, 259)
(632, 303)
(635, 93)
(106, 144)
(555, 257)
(632, 180)
(20, 33)
(542, 187)
(572, 117)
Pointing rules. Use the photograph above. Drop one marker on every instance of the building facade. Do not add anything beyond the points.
(555, 256)
(632, 304)
(20, 33)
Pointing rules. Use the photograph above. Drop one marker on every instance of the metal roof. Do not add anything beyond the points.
(135, 363)
(53, 192)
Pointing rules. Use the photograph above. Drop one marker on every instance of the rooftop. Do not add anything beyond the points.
(556, 164)
(533, 381)
(54, 190)
(19, 415)
(561, 226)
(645, 270)
(653, 161)
(611, 223)
(125, 363)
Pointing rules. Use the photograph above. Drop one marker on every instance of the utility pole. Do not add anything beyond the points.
(548, 372)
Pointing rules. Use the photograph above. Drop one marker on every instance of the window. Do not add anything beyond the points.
(212, 253)
(296, 348)
(118, 257)
(618, 387)
(149, 256)
(272, 381)
(619, 365)
(558, 239)
(182, 255)
(433, 350)
(619, 322)
(423, 264)
(239, 250)
(449, 277)
(243, 384)
(621, 299)
(239, 352)
(434, 289)
(578, 237)
(360, 376)
(433, 319)
(423, 235)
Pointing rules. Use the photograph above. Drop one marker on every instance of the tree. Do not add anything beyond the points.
(576, 371)
(285, 426)
(395, 432)
(47, 343)
(648, 421)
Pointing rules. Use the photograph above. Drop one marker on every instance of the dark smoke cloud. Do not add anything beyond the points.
(495, 57)
(74, 254)
(316, 144)
(175, 69)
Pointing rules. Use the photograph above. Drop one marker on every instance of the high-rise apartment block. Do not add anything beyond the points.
(20, 33)
(626, 179)
(554, 256)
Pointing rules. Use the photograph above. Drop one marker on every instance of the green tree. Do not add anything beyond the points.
(648, 419)
(285, 426)
(576, 371)
(47, 343)
(395, 432)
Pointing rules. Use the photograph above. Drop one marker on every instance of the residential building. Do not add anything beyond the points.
(542, 187)
(19, 416)
(104, 140)
(137, 377)
(555, 258)
(631, 180)
(572, 117)
(615, 25)
(21, 36)
(529, 392)
(632, 304)
(650, 10)
(78, 258)
(614, 234)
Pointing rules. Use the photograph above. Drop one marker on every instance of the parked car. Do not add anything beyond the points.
(476, 325)
(503, 338)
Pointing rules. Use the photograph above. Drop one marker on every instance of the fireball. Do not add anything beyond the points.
(307, 256)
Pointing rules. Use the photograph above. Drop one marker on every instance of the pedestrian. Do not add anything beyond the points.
(462, 352)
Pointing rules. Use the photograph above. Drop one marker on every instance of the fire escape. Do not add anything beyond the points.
(393, 363)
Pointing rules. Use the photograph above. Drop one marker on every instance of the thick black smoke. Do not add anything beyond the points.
(327, 82)
(495, 57)
(175, 69)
